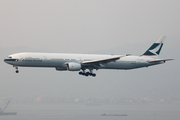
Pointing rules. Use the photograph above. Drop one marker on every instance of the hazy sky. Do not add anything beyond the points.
(85, 26)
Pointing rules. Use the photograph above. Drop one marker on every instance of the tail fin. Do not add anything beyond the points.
(155, 49)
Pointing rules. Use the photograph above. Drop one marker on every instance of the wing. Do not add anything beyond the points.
(159, 60)
(99, 62)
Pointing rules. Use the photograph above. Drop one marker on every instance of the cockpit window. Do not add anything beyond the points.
(9, 57)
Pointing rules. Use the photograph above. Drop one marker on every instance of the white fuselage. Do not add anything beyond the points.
(59, 60)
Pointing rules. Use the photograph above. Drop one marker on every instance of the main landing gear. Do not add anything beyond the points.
(87, 73)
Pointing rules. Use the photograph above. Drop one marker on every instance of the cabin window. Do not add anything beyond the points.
(9, 57)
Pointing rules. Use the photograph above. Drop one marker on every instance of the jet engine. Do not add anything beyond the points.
(72, 66)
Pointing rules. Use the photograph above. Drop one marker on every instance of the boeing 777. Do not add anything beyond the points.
(86, 63)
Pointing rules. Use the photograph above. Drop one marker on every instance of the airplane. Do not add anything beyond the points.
(86, 63)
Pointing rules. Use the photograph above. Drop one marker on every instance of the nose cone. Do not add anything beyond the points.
(5, 60)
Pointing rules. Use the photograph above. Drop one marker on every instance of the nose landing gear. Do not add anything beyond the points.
(17, 71)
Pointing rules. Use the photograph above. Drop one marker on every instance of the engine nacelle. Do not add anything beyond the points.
(72, 66)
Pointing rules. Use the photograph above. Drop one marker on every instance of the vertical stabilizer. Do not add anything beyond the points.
(155, 49)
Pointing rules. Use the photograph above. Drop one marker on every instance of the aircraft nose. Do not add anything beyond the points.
(7, 60)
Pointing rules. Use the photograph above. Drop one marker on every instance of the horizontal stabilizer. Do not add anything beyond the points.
(159, 60)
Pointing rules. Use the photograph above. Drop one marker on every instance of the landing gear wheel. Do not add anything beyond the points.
(94, 75)
(87, 73)
(80, 73)
(17, 71)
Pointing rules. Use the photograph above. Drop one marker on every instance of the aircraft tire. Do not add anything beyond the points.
(87, 74)
(94, 75)
(80, 73)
